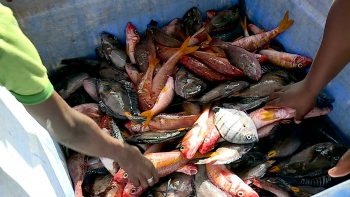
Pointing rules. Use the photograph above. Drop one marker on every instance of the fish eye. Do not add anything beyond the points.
(135, 31)
(157, 47)
(182, 148)
(300, 65)
(206, 140)
(336, 158)
(240, 193)
(249, 137)
(133, 191)
(125, 175)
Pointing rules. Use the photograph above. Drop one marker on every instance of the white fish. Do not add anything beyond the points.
(235, 126)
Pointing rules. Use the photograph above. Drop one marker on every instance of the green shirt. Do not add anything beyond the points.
(21, 69)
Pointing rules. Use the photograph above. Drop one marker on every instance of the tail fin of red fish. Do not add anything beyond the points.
(184, 49)
(148, 114)
(244, 27)
(285, 24)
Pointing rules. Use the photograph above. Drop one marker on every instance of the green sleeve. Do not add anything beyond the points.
(21, 69)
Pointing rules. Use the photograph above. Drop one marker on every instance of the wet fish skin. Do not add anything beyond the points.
(113, 51)
(311, 162)
(228, 35)
(162, 38)
(321, 181)
(235, 126)
(132, 72)
(77, 168)
(241, 59)
(90, 86)
(221, 91)
(187, 85)
(175, 29)
(212, 135)
(132, 38)
(100, 185)
(284, 144)
(286, 60)
(248, 161)
(224, 20)
(72, 83)
(204, 187)
(189, 169)
(192, 20)
(143, 51)
(191, 108)
(227, 153)
(109, 72)
(268, 129)
(226, 180)
(90, 109)
(257, 171)
(180, 185)
(150, 137)
(270, 187)
(247, 104)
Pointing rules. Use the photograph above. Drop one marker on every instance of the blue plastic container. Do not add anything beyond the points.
(71, 28)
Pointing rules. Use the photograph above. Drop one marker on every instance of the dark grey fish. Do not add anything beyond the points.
(222, 91)
(100, 53)
(311, 190)
(228, 35)
(265, 87)
(248, 161)
(162, 38)
(90, 175)
(72, 83)
(109, 72)
(324, 99)
(117, 99)
(175, 29)
(187, 85)
(113, 51)
(311, 162)
(284, 144)
(267, 67)
(247, 104)
(143, 51)
(322, 181)
(154, 137)
(180, 185)
(204, 187)
(192, 21)
(257, 171)
(224, 20)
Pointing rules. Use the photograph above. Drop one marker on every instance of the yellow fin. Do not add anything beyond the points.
(272, 153)
(295, 189)
(148, 114)
(275, 169)
(208, 37)
(268, 115)
(199, 156)
(184, 49)
(285, 24)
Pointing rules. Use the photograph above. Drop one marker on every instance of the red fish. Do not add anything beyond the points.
(90, 109)
(286, 60)
(195, 137)
(203, 70)
(132, 72)
(163, 101)
(261, 58)
(221, 65)
(132, 38)
(252, 43)
(226, 180)
(77, 165)
(144, 86)
(262, 117)
(116, 191)
(212, 135)
(211, 14)
(255, 29)
(189, 169)
(168, 68)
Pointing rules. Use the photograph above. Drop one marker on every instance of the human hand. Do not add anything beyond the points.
(343, 166)
(137, 167)
(296, 96)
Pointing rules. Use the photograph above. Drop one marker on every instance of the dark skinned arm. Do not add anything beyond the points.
(332, 56)
(80, 133)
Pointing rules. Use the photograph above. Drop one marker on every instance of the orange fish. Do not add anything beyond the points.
(132, 38)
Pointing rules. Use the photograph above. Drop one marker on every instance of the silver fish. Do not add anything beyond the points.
(257, 171)
(235, 126)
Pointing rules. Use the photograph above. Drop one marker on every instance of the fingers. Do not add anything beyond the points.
(342, 168)
(155, 175)
(134, 180)
(144, 182)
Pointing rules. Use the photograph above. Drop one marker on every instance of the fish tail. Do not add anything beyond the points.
(268, 115)
(184, 49)
(285, 24)
(244, 27)
(208, 37)
(148, 114)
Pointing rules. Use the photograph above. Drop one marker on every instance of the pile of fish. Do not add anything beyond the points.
(190, 95)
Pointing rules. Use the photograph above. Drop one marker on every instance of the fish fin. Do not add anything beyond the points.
(148, 114)
(187, 32)
(270, 161)
(139, 76)
(208, 37)
(268, 115)
(295, 189)
(285, 24)
(238, 38)
(272, 153)
(275, 169)
(153, 61)
(199, 156)
(244, 27)
(184, 49)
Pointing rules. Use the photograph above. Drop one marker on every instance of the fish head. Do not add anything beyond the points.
(245, 191)
(248, 129)
(334, 152)
(121, 176)
(188, 144)
(131, 32)
(211, 14)
(131, 191)
(301, 62)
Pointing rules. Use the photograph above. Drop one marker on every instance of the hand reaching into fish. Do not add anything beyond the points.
(342, 168)
(140, 170)
(296, 96)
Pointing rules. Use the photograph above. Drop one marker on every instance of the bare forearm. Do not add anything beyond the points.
(334, 51)
(73, 129)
